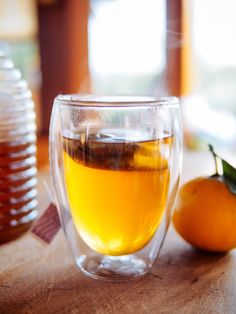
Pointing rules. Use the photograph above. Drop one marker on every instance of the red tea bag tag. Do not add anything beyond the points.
(47, 226)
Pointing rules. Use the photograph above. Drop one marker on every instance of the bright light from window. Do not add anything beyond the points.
(127, 37)
(214, 31)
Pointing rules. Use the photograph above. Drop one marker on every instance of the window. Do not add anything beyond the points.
(214, 25)
(127, 46)
(213, 112)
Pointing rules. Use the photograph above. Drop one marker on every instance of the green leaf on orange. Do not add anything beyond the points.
(229, 173)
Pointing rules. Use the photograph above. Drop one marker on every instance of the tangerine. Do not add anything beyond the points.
(205, 214)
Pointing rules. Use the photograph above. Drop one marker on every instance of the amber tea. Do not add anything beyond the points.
(117, 188)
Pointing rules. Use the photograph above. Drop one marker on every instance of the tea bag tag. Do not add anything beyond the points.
(47, 226)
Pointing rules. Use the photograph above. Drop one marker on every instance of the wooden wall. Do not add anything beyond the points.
(63, 39)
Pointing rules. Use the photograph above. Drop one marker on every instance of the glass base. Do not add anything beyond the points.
(112, 268)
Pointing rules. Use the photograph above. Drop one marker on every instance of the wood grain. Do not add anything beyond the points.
(35, 278)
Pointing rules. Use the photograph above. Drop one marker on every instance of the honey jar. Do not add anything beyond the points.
(18, 204)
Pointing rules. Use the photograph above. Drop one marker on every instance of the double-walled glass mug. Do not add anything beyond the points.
(115, 163)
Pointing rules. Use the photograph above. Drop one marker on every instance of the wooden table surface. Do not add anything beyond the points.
(35, 278)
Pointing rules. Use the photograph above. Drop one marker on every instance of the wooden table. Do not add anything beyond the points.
(35, 278)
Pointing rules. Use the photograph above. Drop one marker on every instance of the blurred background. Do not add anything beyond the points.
(184, 48)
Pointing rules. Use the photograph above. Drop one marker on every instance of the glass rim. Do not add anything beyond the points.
(87, 100)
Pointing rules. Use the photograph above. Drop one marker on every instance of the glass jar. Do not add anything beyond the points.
(18, 204)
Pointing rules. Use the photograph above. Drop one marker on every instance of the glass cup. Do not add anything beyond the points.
(115, 163)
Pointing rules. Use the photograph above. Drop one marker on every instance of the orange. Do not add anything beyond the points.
(205, 214)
